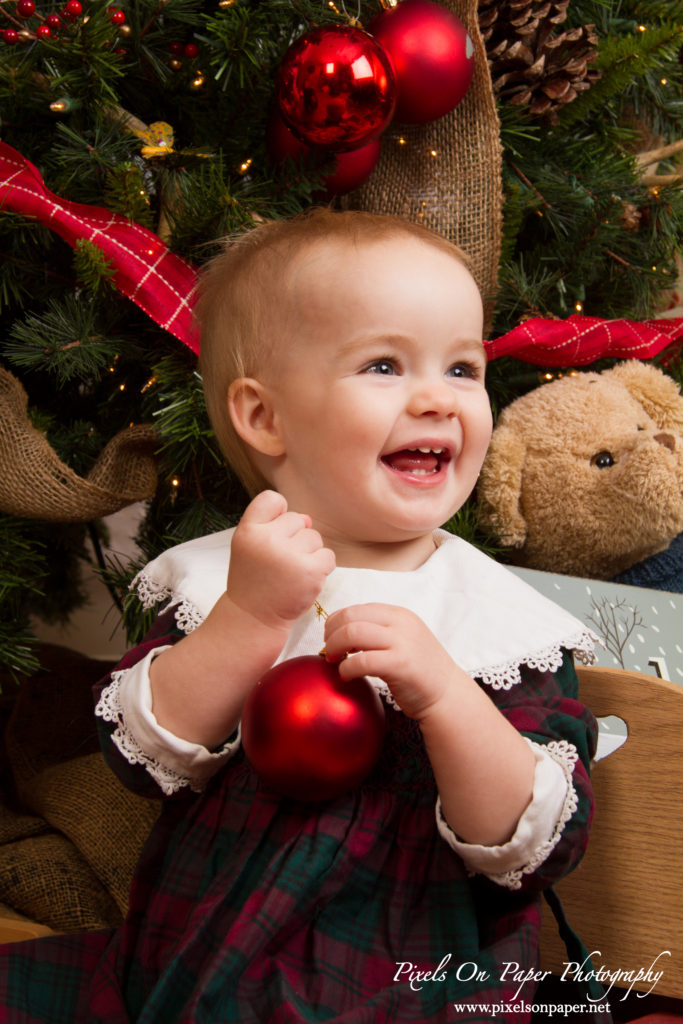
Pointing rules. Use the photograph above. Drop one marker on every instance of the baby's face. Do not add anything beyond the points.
(380, 394)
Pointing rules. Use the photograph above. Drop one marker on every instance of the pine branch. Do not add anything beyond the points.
(621, 60)
(65, 341)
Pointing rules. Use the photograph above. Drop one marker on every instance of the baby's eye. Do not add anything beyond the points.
(466, 370)
(386, 367)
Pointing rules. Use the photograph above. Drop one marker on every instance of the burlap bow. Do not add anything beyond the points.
(36, 484)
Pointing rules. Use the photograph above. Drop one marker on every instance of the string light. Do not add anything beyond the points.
(401, 141)
(244, 167)
(578, 306)
(642, 28)
(548, 376)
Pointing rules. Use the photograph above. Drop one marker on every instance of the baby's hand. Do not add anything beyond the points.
(392, 643)
(278, 563)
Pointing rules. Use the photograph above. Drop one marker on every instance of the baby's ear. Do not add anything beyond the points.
(500, 486)
(657, 392)
(253, 416)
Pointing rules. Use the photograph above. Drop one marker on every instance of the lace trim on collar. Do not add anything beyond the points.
(503, 677)
(150, 592)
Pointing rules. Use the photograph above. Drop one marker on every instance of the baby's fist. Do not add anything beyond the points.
(278, 562)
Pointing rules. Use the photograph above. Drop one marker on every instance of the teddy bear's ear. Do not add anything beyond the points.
(657, 392)
(500, 485)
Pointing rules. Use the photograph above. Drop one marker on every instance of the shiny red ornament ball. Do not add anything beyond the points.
(10, 36)
(309, 734)
(73, 9)
(43, 32)
(336, 88)
(350, 169)
(433, 58)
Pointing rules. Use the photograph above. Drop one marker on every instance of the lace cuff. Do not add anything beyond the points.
(172, 762)
(540, 827)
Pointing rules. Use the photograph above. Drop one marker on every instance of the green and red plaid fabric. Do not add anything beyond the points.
(255, 909)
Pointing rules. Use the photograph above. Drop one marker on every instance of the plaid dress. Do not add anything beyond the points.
(256, 909)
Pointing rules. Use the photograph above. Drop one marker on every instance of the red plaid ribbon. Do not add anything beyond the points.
(580, 340)
(157, 280)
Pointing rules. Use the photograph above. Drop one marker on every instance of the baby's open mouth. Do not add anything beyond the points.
(417, 461)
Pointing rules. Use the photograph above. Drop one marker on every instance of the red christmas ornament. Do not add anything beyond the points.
(350, 170)
(309, 734)
(26, 8)
(433, 58)
(336, 88)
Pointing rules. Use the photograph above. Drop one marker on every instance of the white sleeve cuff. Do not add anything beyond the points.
(173, 762)
(539, 828)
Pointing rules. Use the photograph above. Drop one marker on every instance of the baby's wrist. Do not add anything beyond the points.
(250, 619)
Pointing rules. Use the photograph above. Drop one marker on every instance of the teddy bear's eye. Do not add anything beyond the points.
(603, 460)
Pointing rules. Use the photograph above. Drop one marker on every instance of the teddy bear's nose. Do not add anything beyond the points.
(668, 440)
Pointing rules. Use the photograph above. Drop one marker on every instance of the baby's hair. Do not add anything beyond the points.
(240, 307)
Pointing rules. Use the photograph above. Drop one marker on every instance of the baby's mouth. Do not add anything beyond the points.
(417, 461)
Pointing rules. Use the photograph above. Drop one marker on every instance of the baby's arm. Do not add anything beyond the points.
(278, 565)
(483, 767)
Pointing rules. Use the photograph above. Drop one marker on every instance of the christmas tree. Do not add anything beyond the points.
(136, 137)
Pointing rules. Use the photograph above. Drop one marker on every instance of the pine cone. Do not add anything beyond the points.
(531, 65)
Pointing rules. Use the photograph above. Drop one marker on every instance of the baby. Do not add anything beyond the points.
(344, 373)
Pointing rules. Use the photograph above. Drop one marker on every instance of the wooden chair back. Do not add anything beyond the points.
(625, 899)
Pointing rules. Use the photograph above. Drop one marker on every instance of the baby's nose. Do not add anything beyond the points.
(668, 440)
(433, 397)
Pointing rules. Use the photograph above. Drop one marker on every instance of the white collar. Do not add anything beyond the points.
(488, 619)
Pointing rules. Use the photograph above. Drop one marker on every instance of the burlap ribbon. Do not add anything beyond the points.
(447, 174)
(36, 484)
(70, 832)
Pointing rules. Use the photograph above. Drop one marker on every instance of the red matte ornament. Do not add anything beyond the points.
(309, 734)
(433, 58)
(350, 169)
(336, 88)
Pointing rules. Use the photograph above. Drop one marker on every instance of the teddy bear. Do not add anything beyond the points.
(584, 476)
